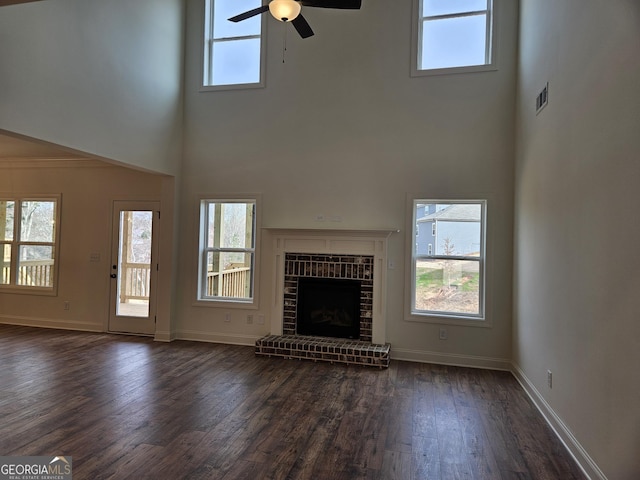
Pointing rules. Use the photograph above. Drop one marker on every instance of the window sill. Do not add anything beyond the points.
(42, 292)
(235, 86)
(453, 70)
(233, 304)
(444, 319)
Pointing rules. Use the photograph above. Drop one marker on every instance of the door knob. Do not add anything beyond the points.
(113, 275)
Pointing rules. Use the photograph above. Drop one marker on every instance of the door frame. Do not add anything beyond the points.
(130, 324)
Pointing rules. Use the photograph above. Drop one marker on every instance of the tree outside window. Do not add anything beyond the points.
(28, 242)
(227, 250)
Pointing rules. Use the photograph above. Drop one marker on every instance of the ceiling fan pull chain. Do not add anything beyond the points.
(284, 40)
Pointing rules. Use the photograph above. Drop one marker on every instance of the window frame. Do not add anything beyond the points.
(437, 316)
(490, 47)
(207, 53)
(16, 243)
(202, 249)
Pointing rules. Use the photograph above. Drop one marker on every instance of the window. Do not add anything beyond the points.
(232, 51)
(227, 250)
(452, 35)
(447, 273)
(29, 243)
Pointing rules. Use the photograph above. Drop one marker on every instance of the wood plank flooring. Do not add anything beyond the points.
(127, 407)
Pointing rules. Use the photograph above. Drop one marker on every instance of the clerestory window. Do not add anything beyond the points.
(233, 55)
(452, 36)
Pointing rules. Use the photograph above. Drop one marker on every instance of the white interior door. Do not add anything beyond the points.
(134, 253)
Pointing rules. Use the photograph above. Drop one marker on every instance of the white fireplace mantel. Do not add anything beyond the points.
(371, 242)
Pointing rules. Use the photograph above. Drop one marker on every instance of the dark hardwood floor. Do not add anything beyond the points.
(128, 407)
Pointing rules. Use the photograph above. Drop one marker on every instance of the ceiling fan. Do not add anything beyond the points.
(289, 11)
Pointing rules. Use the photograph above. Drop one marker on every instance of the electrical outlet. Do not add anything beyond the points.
(443, 333)
(550, 378)
(227, 317)
(249, 319)
(67, 305)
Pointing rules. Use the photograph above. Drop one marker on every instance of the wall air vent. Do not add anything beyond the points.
(542, 99)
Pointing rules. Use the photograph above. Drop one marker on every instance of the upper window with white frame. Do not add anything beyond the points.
(29, 243)
(448, 258)
(227, 250)
(453, 36)
(232, 51)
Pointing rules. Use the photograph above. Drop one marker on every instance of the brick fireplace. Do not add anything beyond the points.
(338, 267)
(340, 254)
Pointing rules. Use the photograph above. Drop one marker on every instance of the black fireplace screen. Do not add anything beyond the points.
(328, 307)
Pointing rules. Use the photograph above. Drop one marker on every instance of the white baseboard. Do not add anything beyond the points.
(50, 323)
(450, 359)
(164, 336)
(582, 458)
(230, 338)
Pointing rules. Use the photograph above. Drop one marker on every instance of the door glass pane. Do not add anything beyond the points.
(134, 263)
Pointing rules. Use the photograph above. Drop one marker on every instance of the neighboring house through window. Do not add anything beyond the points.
(452, 36)
(29, 236)
(232, 51)
(448, 261)
(228, 231)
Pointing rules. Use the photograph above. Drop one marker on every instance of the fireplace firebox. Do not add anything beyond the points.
(328, 307)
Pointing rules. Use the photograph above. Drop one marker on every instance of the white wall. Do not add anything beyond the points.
(341, 129)
(88, 189)
(577, 228)
(103, 77)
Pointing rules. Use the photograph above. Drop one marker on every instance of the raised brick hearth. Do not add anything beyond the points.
(324, 349)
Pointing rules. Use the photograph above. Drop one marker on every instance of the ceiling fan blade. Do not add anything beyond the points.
(302, 27)
(342, 4)
(249, 14)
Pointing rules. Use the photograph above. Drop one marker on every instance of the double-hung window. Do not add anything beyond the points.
(29, 236)
(452, 35)
(227, 250)
(448, 258)
(232, 51)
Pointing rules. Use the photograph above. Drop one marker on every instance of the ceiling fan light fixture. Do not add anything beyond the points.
(284, 10)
